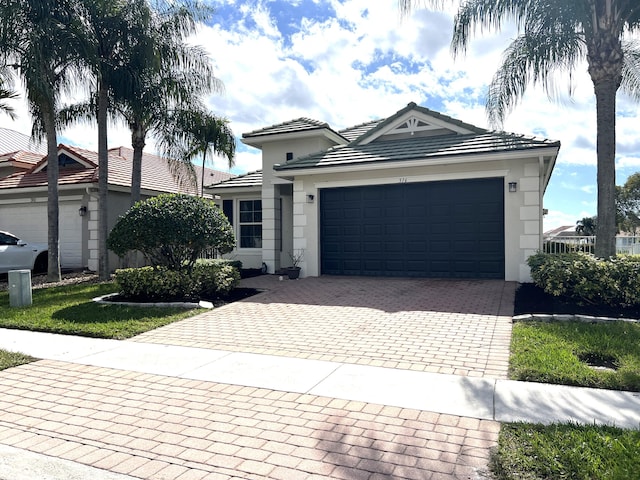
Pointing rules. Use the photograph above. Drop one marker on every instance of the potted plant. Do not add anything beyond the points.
(293, 271)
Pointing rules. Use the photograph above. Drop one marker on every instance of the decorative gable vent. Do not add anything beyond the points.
(412, 125)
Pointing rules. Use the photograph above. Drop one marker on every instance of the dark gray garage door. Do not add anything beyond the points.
(452, 229)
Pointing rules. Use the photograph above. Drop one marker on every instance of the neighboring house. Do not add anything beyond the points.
(416, 194)
(564, 231)
(23, 196)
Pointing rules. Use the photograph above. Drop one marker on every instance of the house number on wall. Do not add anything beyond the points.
(403, 179)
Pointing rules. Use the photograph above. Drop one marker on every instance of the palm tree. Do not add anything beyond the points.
(176, 77)
(556, 36)
(39, 41)
(115, 33)
(198, 134)
(587, 226)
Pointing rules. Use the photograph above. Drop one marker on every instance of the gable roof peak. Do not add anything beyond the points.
(415, 118)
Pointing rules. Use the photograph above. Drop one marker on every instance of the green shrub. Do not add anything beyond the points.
(586, 279)
(208, 280)
(151, 284)
(172, 230)
(215, 279)
(222, 261)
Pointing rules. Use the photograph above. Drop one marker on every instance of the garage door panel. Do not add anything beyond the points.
(352, 230)
(436, 229)
(29, 222)
(351, 213)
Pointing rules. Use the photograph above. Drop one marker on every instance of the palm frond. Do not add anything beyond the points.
(532, 58)
(631, 70)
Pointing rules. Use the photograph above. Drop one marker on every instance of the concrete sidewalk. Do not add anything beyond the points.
(481, 398)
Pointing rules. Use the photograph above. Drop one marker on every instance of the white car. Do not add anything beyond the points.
(16, 254)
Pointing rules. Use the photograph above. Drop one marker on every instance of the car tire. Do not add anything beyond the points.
(41, 265)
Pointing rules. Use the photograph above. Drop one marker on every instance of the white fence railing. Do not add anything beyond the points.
(624, 245)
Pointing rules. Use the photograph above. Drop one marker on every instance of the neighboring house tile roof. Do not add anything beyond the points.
(156, 174)
(357, 131)
(298, 125)
(21, 158)
(251, 179)
(419, 148)
(564, 231)
(12, 141)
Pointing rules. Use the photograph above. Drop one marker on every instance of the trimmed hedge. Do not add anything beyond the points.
(587, 279)
(207, 280)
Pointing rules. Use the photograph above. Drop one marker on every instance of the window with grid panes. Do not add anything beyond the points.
(250, 223)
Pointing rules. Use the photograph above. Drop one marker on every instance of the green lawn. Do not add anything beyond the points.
(566, 451)
(558, 352)
(12, 359)
(70, 310)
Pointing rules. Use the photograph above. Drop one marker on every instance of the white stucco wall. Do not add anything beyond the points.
(275, 152)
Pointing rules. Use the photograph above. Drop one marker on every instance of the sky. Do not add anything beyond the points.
(346, 62)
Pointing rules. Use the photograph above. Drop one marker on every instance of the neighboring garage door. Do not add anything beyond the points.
(451, 229)
(29, 222)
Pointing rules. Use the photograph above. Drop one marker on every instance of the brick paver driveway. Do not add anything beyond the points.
(164, 428)
(459, 327)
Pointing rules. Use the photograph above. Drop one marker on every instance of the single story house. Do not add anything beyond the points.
(23, 196)
(417, 194)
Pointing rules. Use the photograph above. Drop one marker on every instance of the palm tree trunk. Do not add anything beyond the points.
(606, 150)
(53, 209)
(137, 142)
(204, 161)
(103, 185)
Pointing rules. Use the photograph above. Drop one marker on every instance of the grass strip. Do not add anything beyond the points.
(13, 359)
(577, 452)
(559, 352)
(70, 310)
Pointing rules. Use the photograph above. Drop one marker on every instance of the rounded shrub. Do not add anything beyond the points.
(171, 231)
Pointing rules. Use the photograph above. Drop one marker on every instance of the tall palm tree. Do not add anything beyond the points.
(560, 35)
(176, 77)
(198, 134)
(39, 40)
(115, 33)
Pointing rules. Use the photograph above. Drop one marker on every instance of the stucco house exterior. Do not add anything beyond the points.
(415, 194)
(23, 196)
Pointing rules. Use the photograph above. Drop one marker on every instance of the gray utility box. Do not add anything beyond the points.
(20, 288)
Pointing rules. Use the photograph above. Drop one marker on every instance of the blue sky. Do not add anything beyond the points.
(349, 61)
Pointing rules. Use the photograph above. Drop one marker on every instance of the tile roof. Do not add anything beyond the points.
(12, 141)
(251, 179)
(412, 106)
(356, 131)
(298, 125)
(156, 174)
(67, 176)
(419, 148)
(21, 158)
